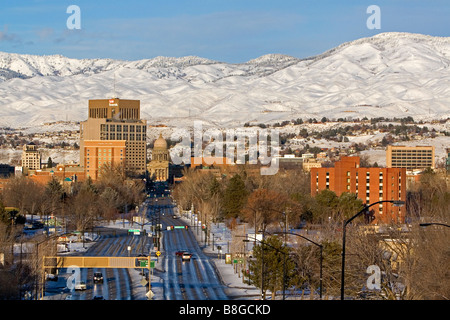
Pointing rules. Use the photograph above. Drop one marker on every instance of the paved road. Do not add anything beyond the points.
(196, 279)
(117, 282)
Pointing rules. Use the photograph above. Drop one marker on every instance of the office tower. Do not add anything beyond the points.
(31, 157)
(115, 120)
(411, 158)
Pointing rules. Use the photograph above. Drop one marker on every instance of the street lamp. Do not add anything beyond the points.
(397, 203)
(433, 223)
(321, 256)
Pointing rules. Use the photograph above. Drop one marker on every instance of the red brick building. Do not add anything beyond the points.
(369, 184)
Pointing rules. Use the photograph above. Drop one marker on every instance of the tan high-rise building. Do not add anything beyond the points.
(115, 108)
(411, 158)
(31, 157)
(116, 120)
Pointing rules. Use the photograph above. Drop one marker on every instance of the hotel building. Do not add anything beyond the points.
(369, 184)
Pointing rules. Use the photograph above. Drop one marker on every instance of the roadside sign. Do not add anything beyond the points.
(143, 263)
(158, 253)
(144, 282)
(150, 294)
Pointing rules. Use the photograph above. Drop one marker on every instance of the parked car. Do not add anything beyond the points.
(80, 285)
(98, 277)
(98, 298)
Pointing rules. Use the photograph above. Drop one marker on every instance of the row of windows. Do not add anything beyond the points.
(412, 158)
(123, 128)
(412, 151)
(124, 136)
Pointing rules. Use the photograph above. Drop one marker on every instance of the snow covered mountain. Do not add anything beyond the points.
(390, 74)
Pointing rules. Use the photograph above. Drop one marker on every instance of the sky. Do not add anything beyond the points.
(223, 30)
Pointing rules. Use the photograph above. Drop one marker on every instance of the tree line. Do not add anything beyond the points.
(76, 207)
(281, 202)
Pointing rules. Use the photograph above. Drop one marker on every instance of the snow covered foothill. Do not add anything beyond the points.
(393, 74)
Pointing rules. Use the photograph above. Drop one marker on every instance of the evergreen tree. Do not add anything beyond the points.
(271, 255)
(49, 162)
(234, 197)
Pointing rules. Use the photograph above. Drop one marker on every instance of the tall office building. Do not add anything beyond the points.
(369, 184)
(411, 158)
(31, 157)
(115, 120)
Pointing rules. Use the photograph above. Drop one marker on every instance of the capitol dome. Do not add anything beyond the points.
(160, 143)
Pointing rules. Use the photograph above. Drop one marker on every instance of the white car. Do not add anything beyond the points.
(80, 285)
(186, 256)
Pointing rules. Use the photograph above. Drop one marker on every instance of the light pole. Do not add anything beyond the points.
(434, 223)
(397, 203)
(321, 256)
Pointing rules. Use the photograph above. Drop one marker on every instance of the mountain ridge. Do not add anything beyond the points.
(396, 74)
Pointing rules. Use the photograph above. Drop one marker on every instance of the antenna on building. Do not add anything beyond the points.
(114, 85)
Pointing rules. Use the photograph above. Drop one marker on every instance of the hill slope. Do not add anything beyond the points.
(390, 74)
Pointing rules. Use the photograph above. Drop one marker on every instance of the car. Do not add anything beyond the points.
(186, 256)
(175, 216)
(98, 277)
(51, 277)
(98, 298)
(80, 285)
(179, 253)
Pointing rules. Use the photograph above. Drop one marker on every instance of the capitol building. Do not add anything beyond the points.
(158, 167)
